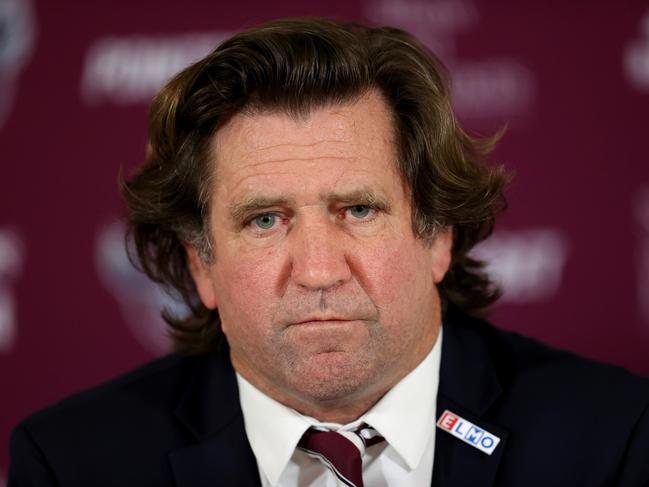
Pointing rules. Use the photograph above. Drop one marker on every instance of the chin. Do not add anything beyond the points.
(330, 377)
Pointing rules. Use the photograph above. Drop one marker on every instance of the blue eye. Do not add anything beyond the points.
(265, 221)
(360, 211)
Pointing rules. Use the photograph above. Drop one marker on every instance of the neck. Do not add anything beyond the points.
(335, 412)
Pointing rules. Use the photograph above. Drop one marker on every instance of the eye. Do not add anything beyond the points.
(359, 212)
(265, 221)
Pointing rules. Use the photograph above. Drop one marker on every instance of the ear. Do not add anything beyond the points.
(440, 249)
(200, 272)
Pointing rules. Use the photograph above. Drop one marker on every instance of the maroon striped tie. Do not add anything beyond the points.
(337, 452)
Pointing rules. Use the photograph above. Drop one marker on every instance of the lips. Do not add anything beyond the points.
(302, 312)
(320, 320)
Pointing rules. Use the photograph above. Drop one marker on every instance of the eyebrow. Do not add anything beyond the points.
(363, 196)
(242, 210)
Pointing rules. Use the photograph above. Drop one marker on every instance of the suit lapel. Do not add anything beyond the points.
(469, 385)
(209, 409)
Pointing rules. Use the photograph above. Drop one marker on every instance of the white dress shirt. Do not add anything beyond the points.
(405, 417)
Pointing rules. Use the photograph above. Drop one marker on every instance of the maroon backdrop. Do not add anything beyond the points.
(569, 80)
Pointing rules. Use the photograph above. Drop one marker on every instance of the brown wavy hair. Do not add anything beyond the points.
(294, 66)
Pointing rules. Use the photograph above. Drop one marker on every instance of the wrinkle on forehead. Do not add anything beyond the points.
(306, 145)
(280, 160)
(335, 127)
(256, 149)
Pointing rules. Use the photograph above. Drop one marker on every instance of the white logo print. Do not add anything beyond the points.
(11, 259)
(636, 57)
(527, 264)
(128, 70)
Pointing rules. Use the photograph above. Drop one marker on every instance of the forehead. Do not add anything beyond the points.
(360, 133)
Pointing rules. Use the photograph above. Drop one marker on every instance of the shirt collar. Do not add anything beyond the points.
(405, 417)
(272, 442)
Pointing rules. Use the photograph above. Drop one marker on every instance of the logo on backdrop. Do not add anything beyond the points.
(528, 264)
(130, 70)
(16, 43)
(636, 57)
(498, 87)
(140, 301)
(11, 260)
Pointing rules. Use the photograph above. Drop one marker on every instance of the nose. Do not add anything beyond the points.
(318, 252)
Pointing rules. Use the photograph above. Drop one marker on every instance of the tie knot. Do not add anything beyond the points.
(341, 451)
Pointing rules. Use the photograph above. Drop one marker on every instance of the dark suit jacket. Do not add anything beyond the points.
(563, 421)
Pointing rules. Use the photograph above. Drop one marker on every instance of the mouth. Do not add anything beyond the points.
(324, 321)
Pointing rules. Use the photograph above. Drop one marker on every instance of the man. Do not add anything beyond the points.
(311, 197)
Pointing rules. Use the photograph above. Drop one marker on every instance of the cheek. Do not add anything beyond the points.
(246, 287)
(399, 277)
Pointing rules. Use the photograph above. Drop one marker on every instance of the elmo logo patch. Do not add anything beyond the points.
(468, 432)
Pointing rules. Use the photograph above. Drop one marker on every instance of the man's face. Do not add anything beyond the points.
(325, 295)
